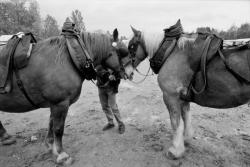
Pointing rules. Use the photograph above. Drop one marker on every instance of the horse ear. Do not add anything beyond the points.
(178, 22)
(115, 34)
(136, 32)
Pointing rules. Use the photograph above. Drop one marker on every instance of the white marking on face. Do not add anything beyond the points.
(114, 44)
(129, 70)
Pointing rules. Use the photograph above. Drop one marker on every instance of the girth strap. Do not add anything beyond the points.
(18, 79)
(21, 87)
(203, 65)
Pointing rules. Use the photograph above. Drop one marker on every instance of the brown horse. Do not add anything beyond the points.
(223, 89)
(51, 80)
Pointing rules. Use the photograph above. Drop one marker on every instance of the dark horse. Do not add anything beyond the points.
(223, 89)
(51, 80)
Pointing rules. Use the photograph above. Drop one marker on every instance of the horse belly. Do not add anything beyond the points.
(223, 90)
(14, 103)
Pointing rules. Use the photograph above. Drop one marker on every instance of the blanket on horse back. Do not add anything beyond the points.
(235, 62)
(14, 55)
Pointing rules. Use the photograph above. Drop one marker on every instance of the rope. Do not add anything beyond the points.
(145, 76)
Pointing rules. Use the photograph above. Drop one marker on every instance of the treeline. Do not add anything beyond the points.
(233, 32)
(24, 16)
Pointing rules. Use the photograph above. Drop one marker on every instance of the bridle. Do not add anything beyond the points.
(123, 60)
(132, 47)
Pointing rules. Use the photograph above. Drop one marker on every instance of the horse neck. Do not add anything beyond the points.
(152, 42)
(98, 46)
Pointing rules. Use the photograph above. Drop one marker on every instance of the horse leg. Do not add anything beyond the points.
(186, 116)
(59, 113)
(50, 136)
(174, 105)
(5, 138)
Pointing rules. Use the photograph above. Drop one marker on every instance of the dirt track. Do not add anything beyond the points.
(221, 136)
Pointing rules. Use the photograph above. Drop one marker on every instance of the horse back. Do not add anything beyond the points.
(225, 88)
(238, 61)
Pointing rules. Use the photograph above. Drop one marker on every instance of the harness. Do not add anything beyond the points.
(20, 59)
(167, 45)
(78, 51)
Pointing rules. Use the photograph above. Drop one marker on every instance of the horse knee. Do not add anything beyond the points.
(58, 129)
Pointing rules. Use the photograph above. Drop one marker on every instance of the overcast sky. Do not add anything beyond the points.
(150, 15)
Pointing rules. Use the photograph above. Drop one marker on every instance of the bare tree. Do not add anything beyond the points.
(19, 15)
(76, 17)
(50, 27)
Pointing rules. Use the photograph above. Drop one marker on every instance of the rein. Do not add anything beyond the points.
(145, 76)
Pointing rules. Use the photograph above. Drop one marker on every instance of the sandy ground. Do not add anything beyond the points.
(221, 136)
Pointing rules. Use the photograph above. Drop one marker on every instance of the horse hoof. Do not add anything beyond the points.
(64, 158)
(6, 139)
(174, 153)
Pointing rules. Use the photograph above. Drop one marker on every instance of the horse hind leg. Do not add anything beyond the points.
(174, 105)
(59, 113)
(5, 138)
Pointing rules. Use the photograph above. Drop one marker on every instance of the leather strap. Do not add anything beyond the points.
(169, 50)
(18, 79)
(21, 87)
(74, 34)
(203, 65)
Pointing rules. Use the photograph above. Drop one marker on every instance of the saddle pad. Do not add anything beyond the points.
(23, 51)
(15, 53)
(239, 62)
(6, 56)
(215, 44)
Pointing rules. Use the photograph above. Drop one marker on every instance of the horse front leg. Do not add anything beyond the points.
(174, 105)
(186, 116)
(5, 138)
(50, 135)
(59, 113)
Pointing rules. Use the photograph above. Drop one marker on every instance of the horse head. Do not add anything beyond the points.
(137, 48)
(118, 58)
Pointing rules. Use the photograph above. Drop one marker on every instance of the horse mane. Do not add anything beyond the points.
(152, 41)
(98, 44)
(186, 40)
(57, 43)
